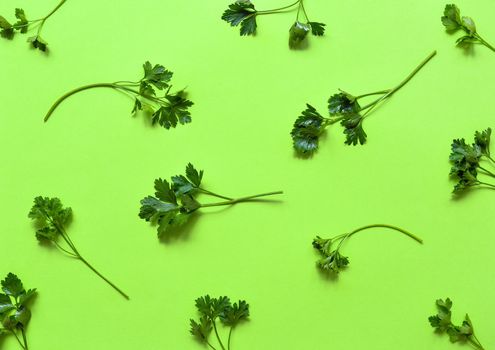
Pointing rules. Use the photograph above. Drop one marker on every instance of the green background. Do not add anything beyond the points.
(247, 92)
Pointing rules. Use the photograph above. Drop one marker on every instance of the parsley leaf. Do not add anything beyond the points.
(331, 260)
(345, 109)
(23, 25)
(442, 322)
(243, 13)
(51, 220)
(167, 110)
(211, 309)
(174, 202)
(468, 162)
(453, 22)
(14, 311)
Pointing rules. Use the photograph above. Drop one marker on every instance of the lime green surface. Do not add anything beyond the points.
(247, 93)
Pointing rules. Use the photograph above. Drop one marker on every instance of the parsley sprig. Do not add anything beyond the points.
(211, 309)
(23, 25)
(332, 261)
(345, 109)
(14, 311)
(453, 22)
(175, 202)
(470, 163)
(243, 13)
(442, 322)
(167, 109)
(50, 220)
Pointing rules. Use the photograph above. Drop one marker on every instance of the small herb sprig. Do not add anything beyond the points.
(23, 25)
(471, 161)
(211, 309)
(442, 323)
(167, 110)
(14, 311)
(174, 202)
(332, 261)
(50, 220)
(243, 13)
(453, 22)
(344, 108)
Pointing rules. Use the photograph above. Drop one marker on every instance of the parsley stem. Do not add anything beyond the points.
(416, 238)
(211, 346)
(75, 91)
(103, 277)
(218, 337)
(18, 340)
(476, 344)
(24, 339)
(214, 194)
(43, 20)
(266, 12)
(382, 92)
(488, 172)
(228, 341)
(301, 5)
(238, 200)
(486, 184)
(484, 42)
(402, 83)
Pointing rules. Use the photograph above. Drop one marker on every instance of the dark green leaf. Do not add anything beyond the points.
(137, 106)
(26, 297)
(482, 139)
(193, 175)
(22, 23)
(354, 130)
(181, 185)
(468, 23)
(189, 204)
(202, 329)
(248, 26)
(7, 31)
(298, 33)
(164, 192)
(334, 262)
(38, 43)
(317, 28)
(343, 103)
(452, 17)
(22, 317)
(157, 75)
(12, 286)
(49, 215)
(153, 209)
(236, 313)
(175, 112)
(238, 12)
(306, 130)
(5, 304)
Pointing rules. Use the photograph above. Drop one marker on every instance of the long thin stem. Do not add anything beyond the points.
(477, 345)
(486, 184)
(407, 233)
(211, 346)
(301, 4)
(402, 83)
(484, 42)
(103, 277)
(238, 200)
(228, 341)
(382, 92)
(24, 339)
(218, 336)
(214, 194)
(277, 9)
(75, 91)
(487, 172)
(18, 340)
(49, 15)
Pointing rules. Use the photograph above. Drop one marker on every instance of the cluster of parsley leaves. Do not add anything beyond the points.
(174, 202)
(23, 25)
(167, 110)
(213, 309)
(471, 164)
(442, 322)
(244, 13)
(14, 310)
(345, 109)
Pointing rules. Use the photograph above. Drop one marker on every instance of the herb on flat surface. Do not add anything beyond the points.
(243, 13)
(443, 324)
(167, 110)
(344, 108)
(211, 309)
(14, 311)
(51, 219)
(453, 22)
(470, 162)
(174, 202)
(23, 25)
(329, 248)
